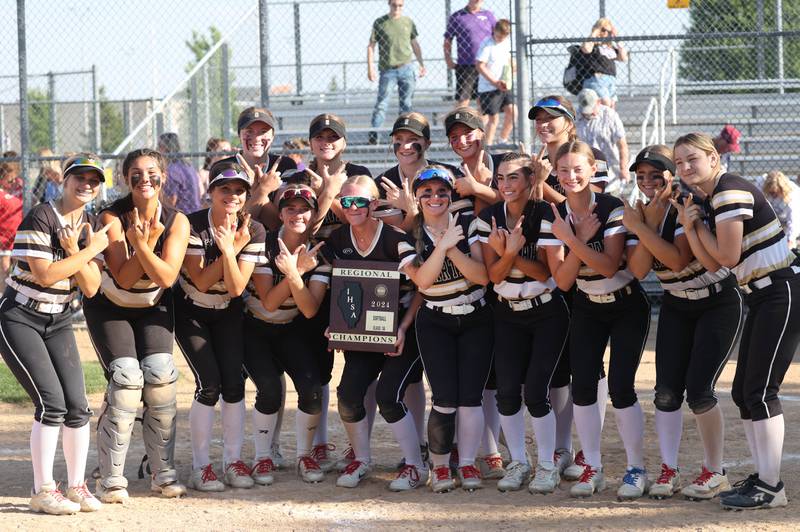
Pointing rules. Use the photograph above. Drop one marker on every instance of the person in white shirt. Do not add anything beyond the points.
(494, 65)
(601, 127)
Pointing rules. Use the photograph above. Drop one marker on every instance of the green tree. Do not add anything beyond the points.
(199, 45)
(740, 61)
(111, 123)
(38, 119)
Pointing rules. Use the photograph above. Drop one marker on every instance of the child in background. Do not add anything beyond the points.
(494, 65)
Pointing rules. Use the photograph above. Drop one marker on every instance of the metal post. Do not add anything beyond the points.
(51, 95)
(523, 80)
(126, 117)
(263, 42)
(779, 27)
(193, 122)
(760, 40)
(22, 59)
(97, 139)
(226, 93)
(206, 103)
(602, 7)
(2, 128)
(447, 10)
(298, 53)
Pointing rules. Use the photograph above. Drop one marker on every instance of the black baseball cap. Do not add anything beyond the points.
(84, 161)
(463, 115)
(254, 114)
(327, 121)
(407, 123)
(653, 159)
(298, 191)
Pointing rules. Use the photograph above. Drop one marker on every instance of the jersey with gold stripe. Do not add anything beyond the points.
(694, 275)
(202, 244)
(37, 238)
(609, 211)
(451, 287)
(517, 285)
(765, 246)
(287, 311)
(600, 177)
(144, 293)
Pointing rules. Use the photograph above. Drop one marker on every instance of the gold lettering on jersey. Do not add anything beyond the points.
(449, 272)
(368, 274)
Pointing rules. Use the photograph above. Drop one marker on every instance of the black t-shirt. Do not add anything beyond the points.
(287, 163)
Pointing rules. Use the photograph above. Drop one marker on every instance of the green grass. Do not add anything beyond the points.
(12, 392)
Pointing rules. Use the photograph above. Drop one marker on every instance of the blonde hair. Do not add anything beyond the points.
(364, 181)
(577, 147)
(603, 23)
(777, 184)
(702, 142)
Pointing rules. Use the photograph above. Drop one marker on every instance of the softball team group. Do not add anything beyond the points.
(517, 273)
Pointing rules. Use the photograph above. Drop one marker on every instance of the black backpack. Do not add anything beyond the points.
(577, 70)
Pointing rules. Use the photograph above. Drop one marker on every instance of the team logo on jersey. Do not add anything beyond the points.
(347, 251)
(349, 302)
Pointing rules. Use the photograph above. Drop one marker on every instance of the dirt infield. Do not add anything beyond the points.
(291, 505)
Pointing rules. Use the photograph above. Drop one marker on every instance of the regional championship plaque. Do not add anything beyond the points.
(364, 301)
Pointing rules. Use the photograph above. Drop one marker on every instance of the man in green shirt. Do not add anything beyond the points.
(396, 37)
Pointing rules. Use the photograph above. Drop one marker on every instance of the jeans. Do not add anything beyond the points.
(405, 79)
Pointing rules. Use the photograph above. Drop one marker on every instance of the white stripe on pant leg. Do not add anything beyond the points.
(730, 348)
(14, 354)
(191, 366)
(777, 345)
(399, 399)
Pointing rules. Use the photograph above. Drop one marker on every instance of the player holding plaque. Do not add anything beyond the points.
(363, 238)
(454, 327)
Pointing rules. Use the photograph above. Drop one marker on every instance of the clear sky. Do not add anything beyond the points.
(138, 45)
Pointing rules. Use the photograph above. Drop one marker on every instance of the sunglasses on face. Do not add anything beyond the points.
(302, 193)
(360, 202)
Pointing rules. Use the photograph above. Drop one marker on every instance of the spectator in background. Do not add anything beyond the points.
(493, 63)
(600, 58)
(47, 186)
(10, 179)
(296, 146)
(182, 187)
(727, 142)
(396, 37)
(470, 26)
(784, 196)
(10, 218)
(600, 126)
(214, 144)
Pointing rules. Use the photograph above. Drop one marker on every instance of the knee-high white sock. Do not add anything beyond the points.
(630, 422)
(561, 402)
(751, 441)
(711, 426)
(321, 434)
(769, 440)
(263, 432)
(371, 405)
(589, 427)
(276, 440)
(470, 430)
(544, 429)
(416, 402)
(405, 432)
(232, 430)
(514, 430)
(669, 426)
(305, 427)
(201, 425)
(602, 399)
(358, 434)
(491, 431)
(75, 443)
(44, 440)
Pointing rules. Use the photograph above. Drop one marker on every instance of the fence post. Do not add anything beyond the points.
(2, 128)
(447, 10)
(779, 27)
(602, 7)
(523, 78)
(206, 103)
(226, 93)
(51, 119)
(193, 118)
(22, 59)
(263, 42)
(760, 40)
(126, 117)
(298, 52)
(97, 138)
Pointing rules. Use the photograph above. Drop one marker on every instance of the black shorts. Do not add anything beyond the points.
(466, 82)
(493, 102)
